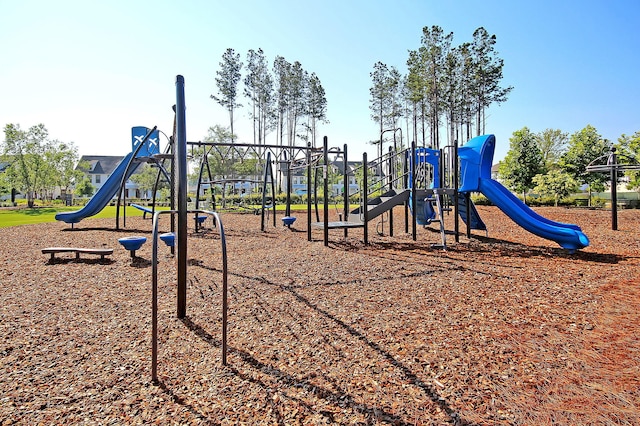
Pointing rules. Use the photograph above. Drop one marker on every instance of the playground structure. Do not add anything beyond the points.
(425, 181)
(428, 182)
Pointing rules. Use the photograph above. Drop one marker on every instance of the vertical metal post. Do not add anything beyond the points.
(325, 175)
(456, 195)
(345, 194)
(391, 178)
(172, 199)
(405, 185)
(414, 201)
(365, 196)
(613, 162)
(309, 171)
(181, 191)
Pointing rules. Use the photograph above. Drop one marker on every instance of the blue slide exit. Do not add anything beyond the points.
(110, 188)
(476, 158)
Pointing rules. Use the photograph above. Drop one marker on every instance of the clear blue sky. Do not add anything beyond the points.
(91, 70)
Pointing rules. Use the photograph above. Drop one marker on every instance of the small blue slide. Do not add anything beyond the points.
(110, 188)
(476, 158)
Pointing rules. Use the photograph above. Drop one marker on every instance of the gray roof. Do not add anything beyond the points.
(100, 164)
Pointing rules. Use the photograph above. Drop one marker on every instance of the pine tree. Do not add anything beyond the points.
(228, 77)
(487, 75)
(316, 106)
(258, 85)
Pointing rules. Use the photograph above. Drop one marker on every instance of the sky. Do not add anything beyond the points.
(90, 70)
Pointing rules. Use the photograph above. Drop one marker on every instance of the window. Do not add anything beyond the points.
(97, 178)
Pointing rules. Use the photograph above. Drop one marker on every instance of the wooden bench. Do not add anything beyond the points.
(53, 250)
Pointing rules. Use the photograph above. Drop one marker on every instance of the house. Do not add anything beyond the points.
(100, 168)
(299, 178)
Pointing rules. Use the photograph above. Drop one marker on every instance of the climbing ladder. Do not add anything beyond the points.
(436, 215)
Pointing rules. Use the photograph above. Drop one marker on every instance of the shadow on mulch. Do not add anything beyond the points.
(180, 401)
(496, 247)
(326, 394)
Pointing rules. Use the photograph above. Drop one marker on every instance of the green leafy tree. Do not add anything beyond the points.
(62, 158)
(552, 144)
(630, 146)
(555, 183)
(28, 169)
(84, 188)
(522, 162)
(585, 146)
(228, 77)
(146, 178)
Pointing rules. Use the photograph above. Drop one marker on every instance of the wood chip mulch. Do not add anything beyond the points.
(508, 329)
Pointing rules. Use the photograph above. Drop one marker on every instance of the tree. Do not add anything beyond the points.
(258, 85)
(316, 106)
(296, 107)
(522, 162)
(552, 143)
(84, 188)
(630, 146)
(384, 102)
(228, 77)
(146, 178)
(487, 68)
(25, 150)
(555, 183)
(281, 71)
(585, 146)
(428, 63)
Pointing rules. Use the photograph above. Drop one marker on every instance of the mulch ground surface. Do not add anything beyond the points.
(504, 329)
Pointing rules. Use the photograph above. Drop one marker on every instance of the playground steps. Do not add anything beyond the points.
(380, 205)
(340, 224)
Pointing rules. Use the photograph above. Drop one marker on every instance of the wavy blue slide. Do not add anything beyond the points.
(476, 158)
(101, 198)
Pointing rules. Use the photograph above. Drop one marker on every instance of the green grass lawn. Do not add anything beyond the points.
(28, 216)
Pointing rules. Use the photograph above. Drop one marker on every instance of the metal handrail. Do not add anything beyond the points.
(154, 287)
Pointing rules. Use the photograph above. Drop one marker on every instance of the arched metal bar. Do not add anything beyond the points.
(154, 286)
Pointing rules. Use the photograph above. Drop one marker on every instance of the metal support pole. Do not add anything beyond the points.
(456, 195)
(325, 176)
(345, 191)
(414, 201)
(365, 195)
(309, 171)
(392, 176)
(613, 162)
(181, 192)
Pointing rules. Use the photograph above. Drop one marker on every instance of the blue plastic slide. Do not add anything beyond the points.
(101, 198)
(476, 158)
(145, 142)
